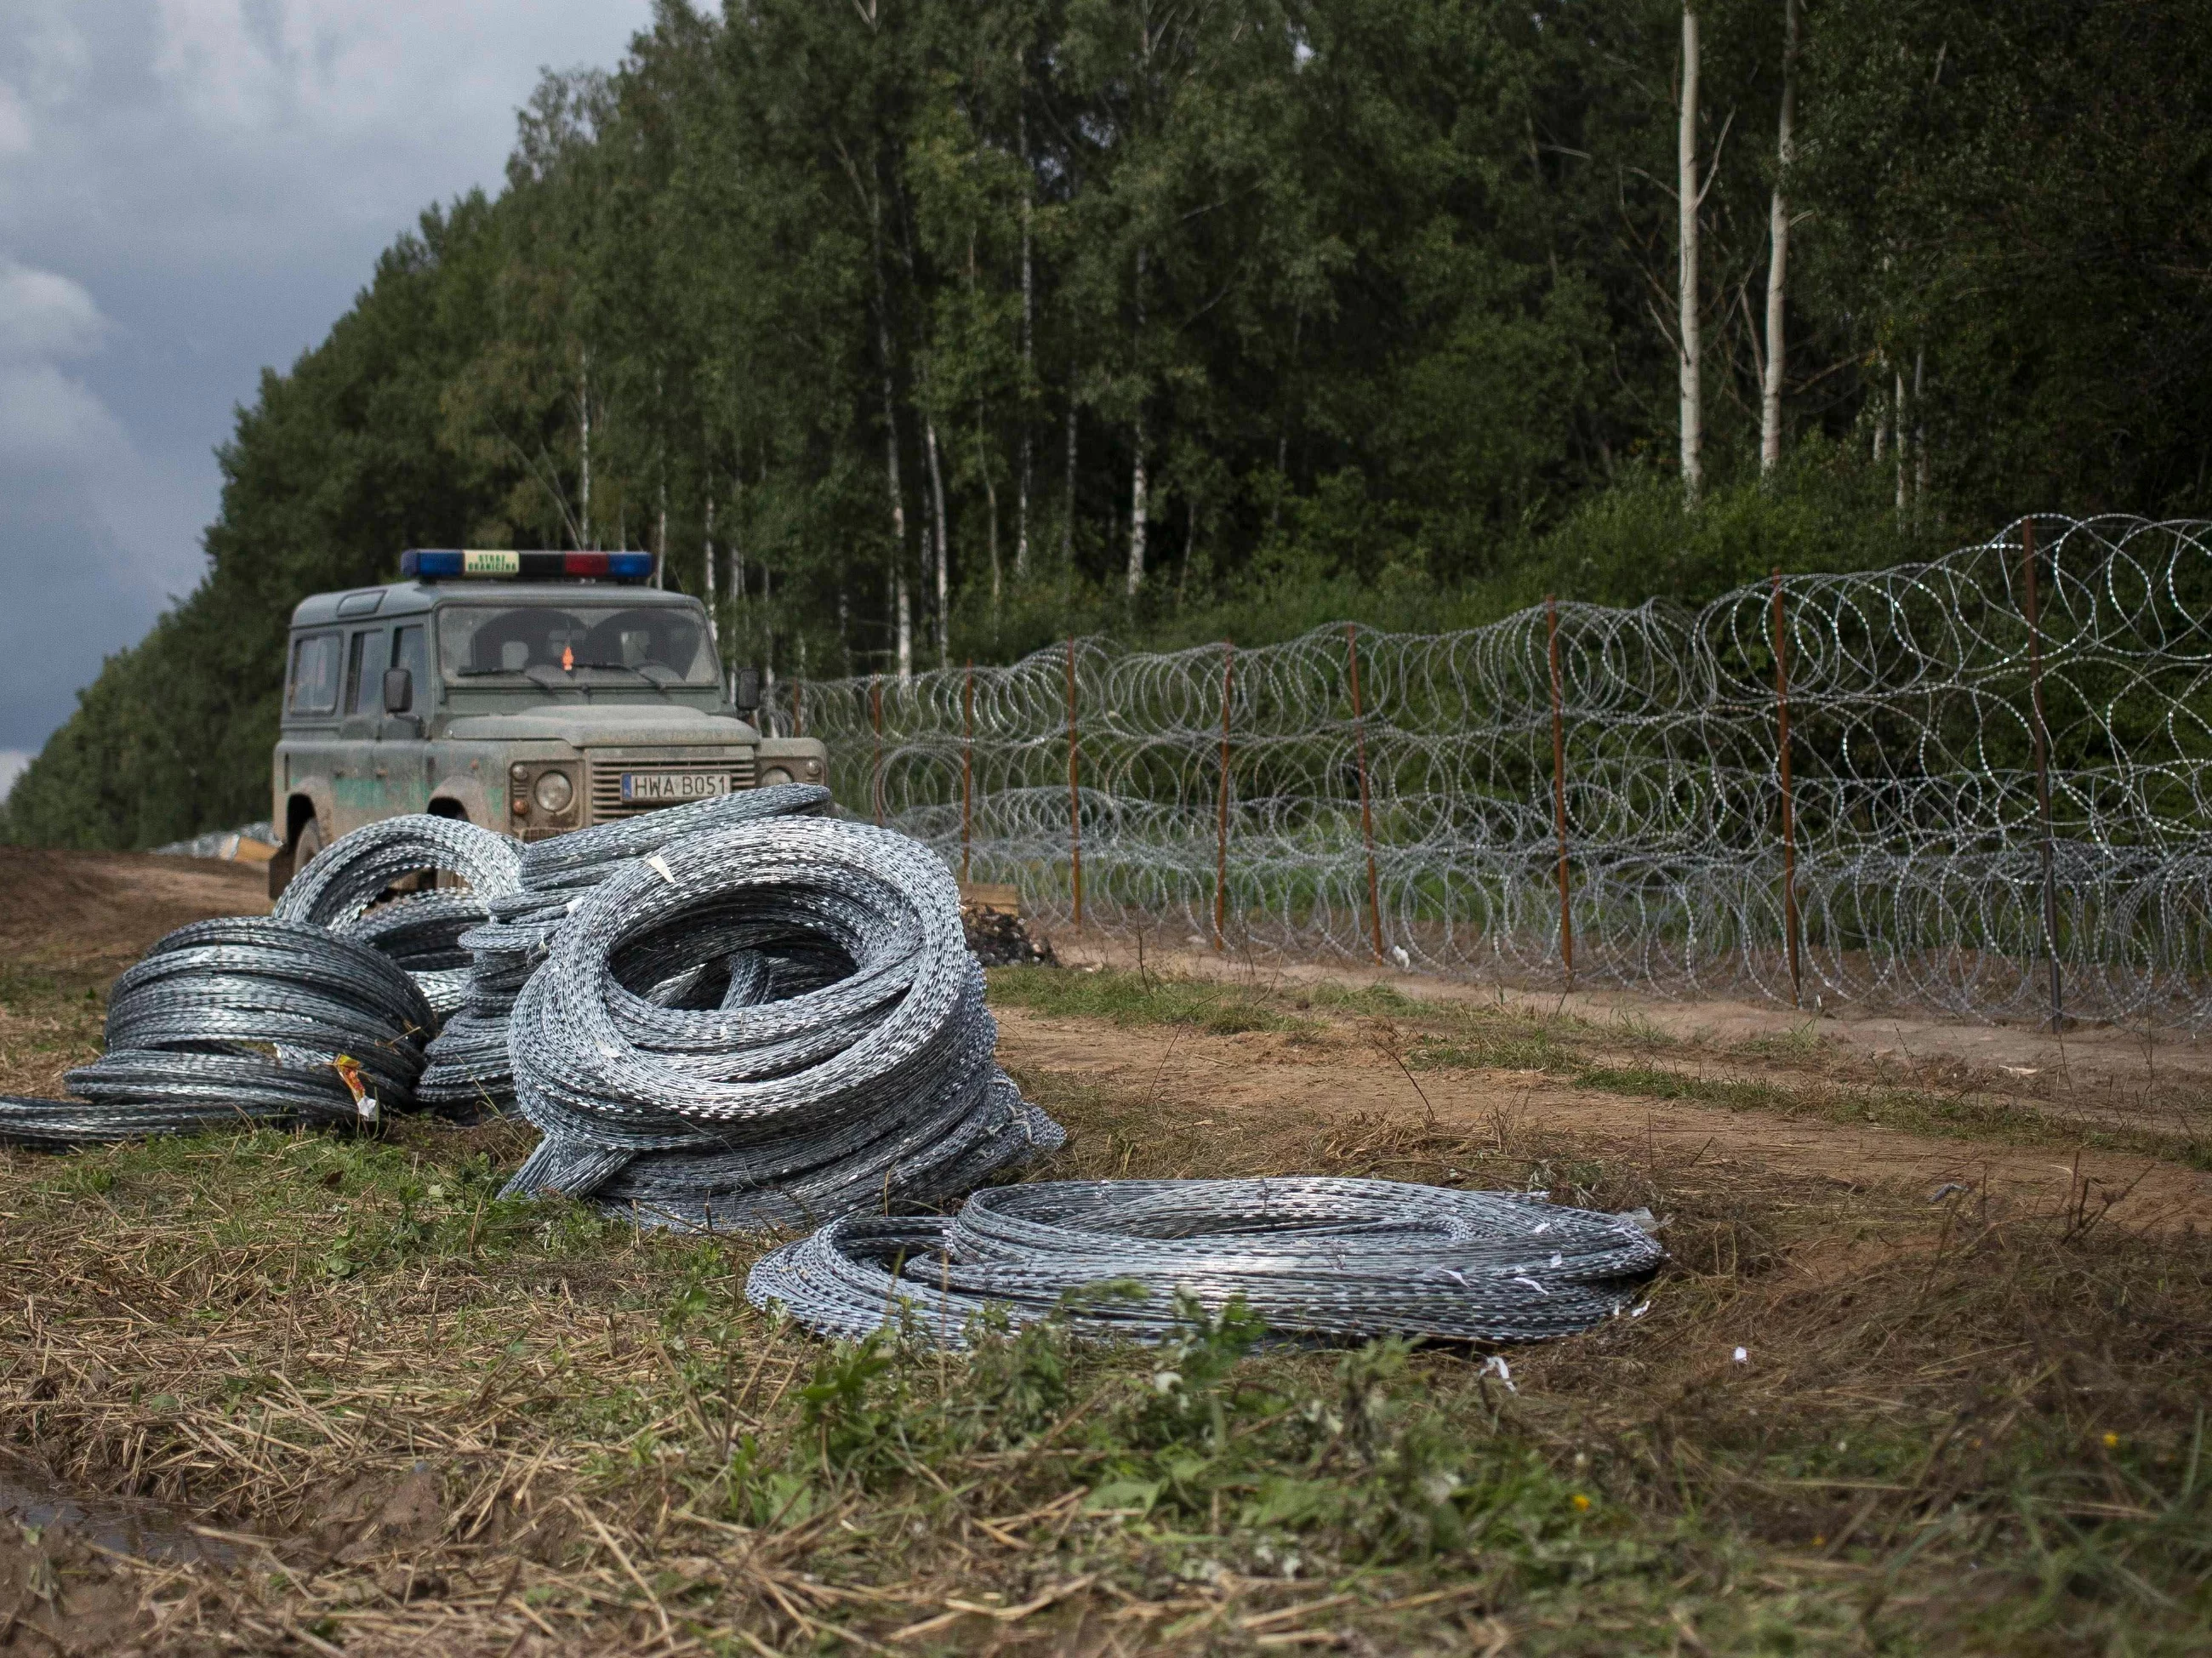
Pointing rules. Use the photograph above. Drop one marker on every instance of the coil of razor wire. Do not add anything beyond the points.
(249, 1019)
(420, 931)
(468, 1073)
(1919, 845)
(1345, 1259)
(765, 1024)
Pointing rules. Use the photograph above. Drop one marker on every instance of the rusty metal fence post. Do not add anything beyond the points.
(1221, 823)
(876, 769)
(2039, 729)
(1074, 792)
(1367, 806)
(1560, 787)
(1789, 924)
(967, 762)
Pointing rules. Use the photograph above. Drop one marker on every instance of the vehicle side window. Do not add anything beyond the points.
(315, 674)
(410, 652)
(365, 671)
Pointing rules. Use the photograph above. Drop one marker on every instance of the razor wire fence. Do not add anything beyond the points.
(1819, 789)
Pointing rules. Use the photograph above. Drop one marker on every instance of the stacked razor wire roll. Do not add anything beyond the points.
(763, 1024)
(316, 1014)
(1345, 1260)
(242, 1020)
(420, 932)
(469, 1072)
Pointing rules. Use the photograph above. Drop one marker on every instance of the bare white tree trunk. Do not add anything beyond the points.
(905, 630)
(990, 495)
(1067, 522)
(1028, 355)
(585, 536)
(1693, 389)
(1785, 149)
(1137, 507)
(1137, 467)
(1881, 412)
(660, 532)
(1919, 432)
(1898, 403)
(902, 605)
(943, 614)
(714, 598)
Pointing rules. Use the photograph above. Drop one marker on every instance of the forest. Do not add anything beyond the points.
(913, 331)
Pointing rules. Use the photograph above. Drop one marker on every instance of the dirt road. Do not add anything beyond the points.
(1254, 1078)
(69, 921)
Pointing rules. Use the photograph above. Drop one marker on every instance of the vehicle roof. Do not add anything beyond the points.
(415, 598)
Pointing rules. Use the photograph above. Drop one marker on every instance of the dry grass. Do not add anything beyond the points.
(422, 1419)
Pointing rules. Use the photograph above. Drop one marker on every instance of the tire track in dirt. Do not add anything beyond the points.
(1258, 1076)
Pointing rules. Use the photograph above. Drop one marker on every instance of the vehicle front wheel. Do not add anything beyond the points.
(287, 863)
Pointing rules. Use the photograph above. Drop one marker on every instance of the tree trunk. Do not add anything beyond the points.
(944, 613)
(660, 534)
(1137, 501)
(713, 600)
(583, 532)
(1137, 512)
(1067, 522)
(1692, 389)
(1919, 431)
(905, 623)
(1898, 403)
(991, 496)
(1882, 411)
(1029, 353)
(1785, 149)
(905, 630)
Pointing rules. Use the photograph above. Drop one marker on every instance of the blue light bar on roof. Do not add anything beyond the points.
(435, 563)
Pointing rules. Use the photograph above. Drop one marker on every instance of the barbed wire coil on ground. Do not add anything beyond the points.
(469, 1072)
(1315, 1257)
(765, 1024)
(239, 1020)
(420, 931)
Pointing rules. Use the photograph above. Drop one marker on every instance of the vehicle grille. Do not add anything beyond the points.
(605, 785)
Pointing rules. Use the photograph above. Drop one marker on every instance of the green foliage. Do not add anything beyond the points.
(1187, 1438)
(1370, 298)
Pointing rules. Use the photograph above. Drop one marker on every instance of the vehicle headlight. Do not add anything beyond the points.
(554, 791)
(774, 775)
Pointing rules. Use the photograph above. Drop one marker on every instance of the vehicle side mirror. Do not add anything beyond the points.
(399, 691)
(747, 694)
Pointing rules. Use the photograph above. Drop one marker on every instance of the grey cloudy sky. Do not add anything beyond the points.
(190, 190)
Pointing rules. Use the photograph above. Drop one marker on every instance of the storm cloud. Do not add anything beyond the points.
(190, 190)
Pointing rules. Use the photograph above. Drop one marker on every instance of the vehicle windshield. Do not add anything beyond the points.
(588, 644)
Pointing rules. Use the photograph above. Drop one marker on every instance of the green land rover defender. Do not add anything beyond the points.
(532, 693)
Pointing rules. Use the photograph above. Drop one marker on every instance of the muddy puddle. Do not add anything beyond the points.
(31, 1496)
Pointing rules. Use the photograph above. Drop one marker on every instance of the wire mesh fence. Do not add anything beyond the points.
(1819, 789)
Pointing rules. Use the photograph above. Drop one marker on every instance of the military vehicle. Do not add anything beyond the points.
(531, 692)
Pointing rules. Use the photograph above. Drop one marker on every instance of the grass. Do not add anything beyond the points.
(1120, 997)
(464, 1424)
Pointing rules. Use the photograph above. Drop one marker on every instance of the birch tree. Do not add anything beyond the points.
(1687, 342)
(1785, 149)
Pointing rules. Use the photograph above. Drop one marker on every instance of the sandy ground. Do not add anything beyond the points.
(1249, 1076)
(68, 909)
(2091, 1055)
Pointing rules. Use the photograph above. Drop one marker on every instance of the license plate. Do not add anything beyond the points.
(667, 788)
